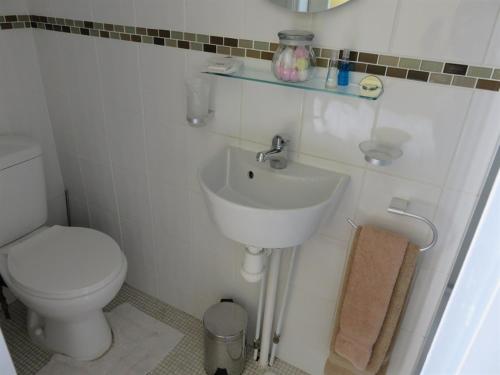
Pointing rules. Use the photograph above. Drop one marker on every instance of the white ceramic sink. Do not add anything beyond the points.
(267, 208)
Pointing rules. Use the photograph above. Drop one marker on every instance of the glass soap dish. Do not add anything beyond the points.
(380, 154)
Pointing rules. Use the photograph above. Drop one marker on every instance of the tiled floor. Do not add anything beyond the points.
(185, 359)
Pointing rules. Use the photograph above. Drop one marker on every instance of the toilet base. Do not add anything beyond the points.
(85, 338)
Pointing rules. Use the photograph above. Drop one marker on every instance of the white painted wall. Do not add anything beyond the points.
(129, 160)
(23, 109)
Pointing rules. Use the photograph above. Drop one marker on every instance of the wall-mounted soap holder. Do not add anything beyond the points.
(380, 154)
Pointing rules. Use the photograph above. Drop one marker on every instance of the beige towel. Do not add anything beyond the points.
(374, 323)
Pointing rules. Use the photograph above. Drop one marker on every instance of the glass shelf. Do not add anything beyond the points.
(314, 84)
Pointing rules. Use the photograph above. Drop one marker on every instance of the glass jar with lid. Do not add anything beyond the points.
(294, 58)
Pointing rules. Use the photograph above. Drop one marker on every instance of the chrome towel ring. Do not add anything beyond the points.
(399, 206)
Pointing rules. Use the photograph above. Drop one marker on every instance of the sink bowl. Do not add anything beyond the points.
(267, 208)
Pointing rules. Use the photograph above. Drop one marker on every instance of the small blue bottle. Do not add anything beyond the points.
(344, 67)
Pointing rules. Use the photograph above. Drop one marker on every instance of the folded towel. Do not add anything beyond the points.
(376, 284)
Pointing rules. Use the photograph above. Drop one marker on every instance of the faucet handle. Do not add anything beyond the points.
(279, 142)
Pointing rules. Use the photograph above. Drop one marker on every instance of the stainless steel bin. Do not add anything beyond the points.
(225, 326)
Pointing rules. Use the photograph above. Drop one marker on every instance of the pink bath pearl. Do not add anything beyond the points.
(294, 76)
(278, 70)
(301, 52)
(286, 74)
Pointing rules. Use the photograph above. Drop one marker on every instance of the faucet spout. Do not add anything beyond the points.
(278, 147)
(264, 155)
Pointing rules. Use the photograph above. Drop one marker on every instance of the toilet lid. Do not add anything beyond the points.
(65, 262)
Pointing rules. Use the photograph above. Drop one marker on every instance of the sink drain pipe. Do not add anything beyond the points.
(254, 270)
(279, 324)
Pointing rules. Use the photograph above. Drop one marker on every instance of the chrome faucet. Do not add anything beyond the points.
(279, 147)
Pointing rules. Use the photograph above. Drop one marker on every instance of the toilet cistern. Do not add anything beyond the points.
(278, 147)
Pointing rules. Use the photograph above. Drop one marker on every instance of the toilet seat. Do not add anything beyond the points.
(64, 262)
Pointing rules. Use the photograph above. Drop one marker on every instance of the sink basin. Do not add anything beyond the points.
(267, 208)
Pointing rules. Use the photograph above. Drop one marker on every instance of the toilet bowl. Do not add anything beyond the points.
(65, 276)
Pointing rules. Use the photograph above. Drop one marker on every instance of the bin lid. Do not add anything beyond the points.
(225, 320)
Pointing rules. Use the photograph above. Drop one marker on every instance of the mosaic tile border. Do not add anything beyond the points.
(431, 71)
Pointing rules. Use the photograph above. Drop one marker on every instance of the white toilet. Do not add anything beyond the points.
(64, 275)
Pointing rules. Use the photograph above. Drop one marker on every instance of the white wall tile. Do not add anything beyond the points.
(362, 25)
(118, 64)
(61, 120)
(333, 127)
(79, 213)
(162, 82)
(326, 257)
(452, 217)
(307, 331)
(493, 54)
(51, 62)
(105, 221)
(267, 111)
(98, 183)
(72, 176)
(336, 225)
(75, 9)
(167, 151)
(445, 30)
(169, 202)
(160, 13)
(214, 254)
(114, 11)
(139, 250)
(201, 146)
(405, 353)
(85, 100)
(132, 195)
(13, 7)
(164, 113)
(379, 189)
(175, 276)
(226, 106)
(477, 144)
(57, 211)
(424, 298)
(38, 6)
(263, 20)
(53, 178)
(427, 130)
(23, 106)
(215, 17)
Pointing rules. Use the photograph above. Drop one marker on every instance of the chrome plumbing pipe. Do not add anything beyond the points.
(270, 302)
(279, 324)
(260, 308)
